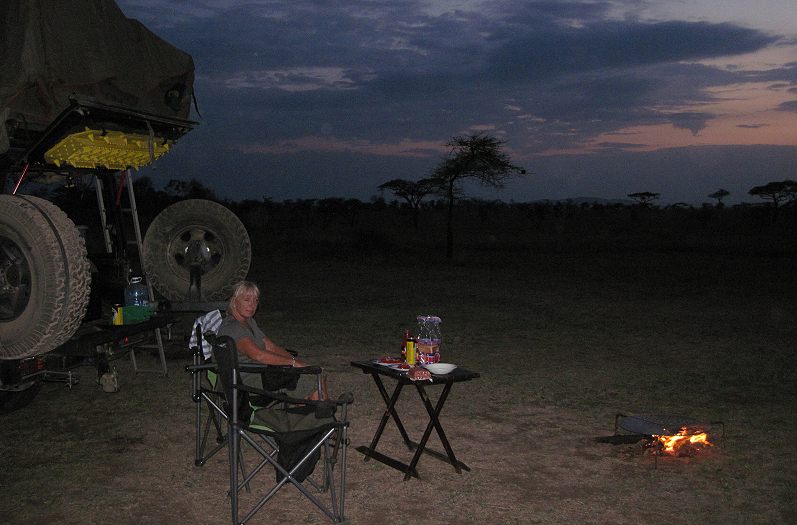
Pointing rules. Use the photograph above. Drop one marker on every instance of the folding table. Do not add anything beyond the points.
(377, 372)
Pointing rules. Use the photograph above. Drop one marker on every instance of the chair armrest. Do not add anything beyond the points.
(261, 367)
(199, 368)
(344, 399)
(307, 369)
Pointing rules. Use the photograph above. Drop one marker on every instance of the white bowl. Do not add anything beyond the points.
(440, 368)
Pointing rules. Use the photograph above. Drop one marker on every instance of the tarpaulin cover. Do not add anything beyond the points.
(51, 49)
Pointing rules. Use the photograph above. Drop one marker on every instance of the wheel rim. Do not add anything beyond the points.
(199, 235)
(196, 246)
(15, 280)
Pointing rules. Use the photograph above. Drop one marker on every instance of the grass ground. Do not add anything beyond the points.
(563, 342)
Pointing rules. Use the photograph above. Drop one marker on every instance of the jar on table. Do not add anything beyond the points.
(428, 339)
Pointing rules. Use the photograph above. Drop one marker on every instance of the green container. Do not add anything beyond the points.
(136, 314)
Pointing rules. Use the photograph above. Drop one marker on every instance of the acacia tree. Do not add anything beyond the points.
(778, 192)
(190, 189)
(478, 157)
(644, 198)
(719, 195)
(411, 191)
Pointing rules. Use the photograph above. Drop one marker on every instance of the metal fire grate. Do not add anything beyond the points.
(629, 429)
(657, 425)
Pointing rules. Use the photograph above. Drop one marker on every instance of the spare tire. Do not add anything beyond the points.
(177, 231)
(44, 277)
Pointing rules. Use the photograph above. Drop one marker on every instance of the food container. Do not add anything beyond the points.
(441, 368)
(136, 314)
(427, 353)
(428, 339)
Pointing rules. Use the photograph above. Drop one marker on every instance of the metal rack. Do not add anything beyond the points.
(126, 217)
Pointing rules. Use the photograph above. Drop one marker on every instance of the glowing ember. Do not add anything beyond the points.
(687, 442)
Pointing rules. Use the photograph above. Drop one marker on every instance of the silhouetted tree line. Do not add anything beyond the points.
(385, 229)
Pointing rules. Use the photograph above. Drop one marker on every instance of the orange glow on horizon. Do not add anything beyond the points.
(744, 114)
(741, 114)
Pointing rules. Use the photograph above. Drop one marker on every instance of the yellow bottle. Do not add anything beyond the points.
(118, 316)
(411, 351)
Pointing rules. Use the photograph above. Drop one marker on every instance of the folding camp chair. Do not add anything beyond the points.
(298, 432)
(205, 391)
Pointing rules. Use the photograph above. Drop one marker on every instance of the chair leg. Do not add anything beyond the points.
(329, 480)
(198, 451)
(234, 452)
(335, 443)
(242, 468)
(338, 459)
(220, 437)
(203, 433)
(343, 441)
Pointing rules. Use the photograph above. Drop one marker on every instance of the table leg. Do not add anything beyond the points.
(370, 451)
(390, 411)
(434, 422)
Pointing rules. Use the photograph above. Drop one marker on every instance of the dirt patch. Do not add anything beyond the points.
(562, 345)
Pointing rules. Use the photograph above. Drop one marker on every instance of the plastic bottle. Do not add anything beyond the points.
(410, 357)
(136, 293)
(404, 344)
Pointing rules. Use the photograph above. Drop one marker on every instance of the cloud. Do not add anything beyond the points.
(791, 105)
(619, 146)
(293, 79)
(540, 54)
(692, 121)
(396, 78)
(403, 148)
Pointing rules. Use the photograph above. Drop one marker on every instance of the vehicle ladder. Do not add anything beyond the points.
(127, 214)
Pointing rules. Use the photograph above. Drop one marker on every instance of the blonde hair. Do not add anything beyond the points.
(241, 289)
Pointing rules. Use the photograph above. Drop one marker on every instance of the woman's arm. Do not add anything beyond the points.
(272, 355)
(276, 349)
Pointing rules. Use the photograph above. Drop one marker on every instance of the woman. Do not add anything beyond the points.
(253, 345)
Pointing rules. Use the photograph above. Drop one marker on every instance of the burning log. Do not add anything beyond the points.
(686, 443)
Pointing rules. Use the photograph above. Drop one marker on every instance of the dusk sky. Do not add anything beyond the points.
(312, 99)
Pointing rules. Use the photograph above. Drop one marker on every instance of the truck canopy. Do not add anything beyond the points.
(54, 51)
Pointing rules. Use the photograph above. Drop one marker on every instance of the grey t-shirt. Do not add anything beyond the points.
(238, 330)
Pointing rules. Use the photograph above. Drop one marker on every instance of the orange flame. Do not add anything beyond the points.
(685, 443)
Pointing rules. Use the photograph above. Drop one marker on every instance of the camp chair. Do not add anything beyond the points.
(298, 432)
(205, 391)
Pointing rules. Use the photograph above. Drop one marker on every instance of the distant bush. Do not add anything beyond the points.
(374, 230)
(377, 230)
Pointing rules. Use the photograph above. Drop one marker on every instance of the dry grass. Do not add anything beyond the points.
(563, 342)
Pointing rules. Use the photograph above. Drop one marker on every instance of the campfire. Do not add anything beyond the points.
(671, 436)
(687, 442)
